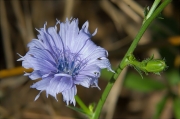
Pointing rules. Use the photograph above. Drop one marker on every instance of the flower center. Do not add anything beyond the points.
(69, 63)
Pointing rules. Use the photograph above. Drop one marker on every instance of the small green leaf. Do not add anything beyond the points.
(146, 11)
(160, 107)
(80, 110)
(91, 107)
(160, 16)
(176, 107)
(134, 82)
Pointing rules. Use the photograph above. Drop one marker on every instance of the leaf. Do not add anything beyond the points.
(135, 82)
(160, 107)
(79, 110)
(176, 107)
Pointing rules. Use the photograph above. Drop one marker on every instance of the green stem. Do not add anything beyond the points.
(123, 64)
(82, 105)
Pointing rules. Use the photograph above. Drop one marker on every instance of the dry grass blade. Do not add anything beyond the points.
(20, 20)
(126, 9)
(6, 37)
(121, 20)
(28, 22)
(68, 9)
(135, 6)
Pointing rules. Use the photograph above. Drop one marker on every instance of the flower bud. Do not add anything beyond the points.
(155, 66)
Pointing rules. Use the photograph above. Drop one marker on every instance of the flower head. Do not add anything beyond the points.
(63, 59)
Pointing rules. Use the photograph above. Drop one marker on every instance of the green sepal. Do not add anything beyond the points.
(139, 71)
(160, 16)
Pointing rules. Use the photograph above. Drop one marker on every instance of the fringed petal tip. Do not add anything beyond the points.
(20, 59)
(94, 83)
(109, 69)
(69, 95)
(37, 96)
(70, 102)
(95, 32)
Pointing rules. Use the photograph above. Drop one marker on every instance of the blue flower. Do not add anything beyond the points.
(64, 58)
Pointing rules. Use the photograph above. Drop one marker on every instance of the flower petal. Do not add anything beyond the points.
(26, 64)
(46, 39)
(55, 37)
(102, 63)
(97, 53)
(43, 65)
(69, 32)
(92, 70)
(81, 40)
(42, 84)
(35, 43)
(65, 83)
(41, 54)
(34, 75)
(83, 80)
(87, 49)
(68, 95)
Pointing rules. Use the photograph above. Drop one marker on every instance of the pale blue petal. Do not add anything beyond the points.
(97, 53)
(39, 64)
(92, 70)
(73, 30)
(42, 84)
(83, 81)
(34, 75)
(88, 49)
(68, 95)
(102, 63)
(55, 37)
(41, 54)
(82, 38)
(26, 64)
(35, 43)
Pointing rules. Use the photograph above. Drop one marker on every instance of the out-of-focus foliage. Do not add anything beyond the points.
(159, 107)
(135, 82)
(176, 107)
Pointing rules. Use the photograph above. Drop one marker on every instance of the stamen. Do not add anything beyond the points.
(69, 63)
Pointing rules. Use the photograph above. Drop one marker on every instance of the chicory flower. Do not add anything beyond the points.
(64, 58)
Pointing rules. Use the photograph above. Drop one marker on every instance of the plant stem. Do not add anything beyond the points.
(82, 105)
(123, 64)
